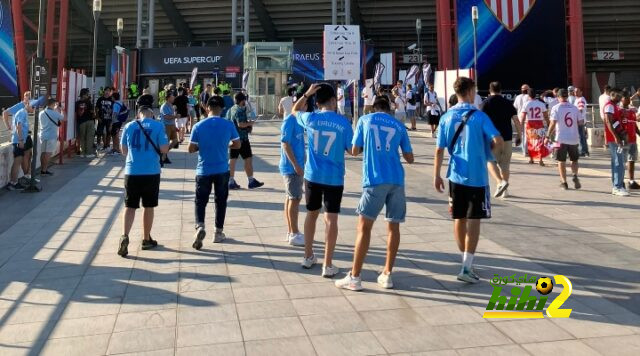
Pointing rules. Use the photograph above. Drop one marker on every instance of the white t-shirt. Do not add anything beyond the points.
(341, 94)
(400, 106)
(566, 117)
(581, 104)
(534, 109)
(368, 101)
(602, 101)
(520, 101)
(477, 102)
(287, 105)
(432, 97)
(409, 96)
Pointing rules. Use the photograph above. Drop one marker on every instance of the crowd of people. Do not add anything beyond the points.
(316, 136)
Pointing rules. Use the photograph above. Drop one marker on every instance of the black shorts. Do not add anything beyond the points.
(467, 202)
(104, 125)
(145, 187)
(115, 128)
(244, 151)
(315, 194)
(19, 152)
(434, 119)
(561, 153)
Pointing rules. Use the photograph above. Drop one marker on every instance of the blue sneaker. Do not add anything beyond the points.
(254, 183)
(233, 186)
(466, 276)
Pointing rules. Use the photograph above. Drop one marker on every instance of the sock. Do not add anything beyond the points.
(467, 260)
(250, 178)
(231, 180)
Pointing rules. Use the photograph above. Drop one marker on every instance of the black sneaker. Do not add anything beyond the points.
(200, 234)
(576, 182)
(234, 186)
(166, 161)
(254, 183)
(564, 186)
(123, 250)
(46, 173)
(634, 185)
(16, 186)
(149, 244)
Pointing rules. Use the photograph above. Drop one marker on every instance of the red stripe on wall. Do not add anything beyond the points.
(510, 14)
(499, 9)
(520, 9)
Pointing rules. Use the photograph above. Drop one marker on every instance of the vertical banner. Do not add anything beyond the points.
(8, 74)
(389, 63)
(71, 105)
(519, 41)
(341, 52)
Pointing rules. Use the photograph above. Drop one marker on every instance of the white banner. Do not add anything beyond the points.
(71, 106)
(341, 52)
(387, 59)
(194, 74)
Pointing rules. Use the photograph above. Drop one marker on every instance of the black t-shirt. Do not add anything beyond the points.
(145, 100)
(182, 105)
(105, 107)
(84, 111)
(500, 110)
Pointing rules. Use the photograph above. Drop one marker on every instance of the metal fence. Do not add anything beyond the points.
(266, 106)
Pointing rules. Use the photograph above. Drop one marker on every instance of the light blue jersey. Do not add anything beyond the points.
(142, 158)
(21, 117)
(380, 135)
(167, 109)
(213, 135)
(472, 150)
(293, 134)
(328, 135)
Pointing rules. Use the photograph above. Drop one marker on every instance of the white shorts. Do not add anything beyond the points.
(48, 146)
(181, 122)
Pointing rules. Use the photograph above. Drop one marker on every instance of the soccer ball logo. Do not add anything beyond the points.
(544, 285)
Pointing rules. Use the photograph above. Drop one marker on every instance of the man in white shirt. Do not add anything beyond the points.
(519, 103)
(49, 119)
(400, 107)
(411, 107)
(368, 96)
(341, 99)
(286, 103)
(581, 104)
(533, 116)
(604, 99)
(433, 109)
(565, 119)
(572, 95)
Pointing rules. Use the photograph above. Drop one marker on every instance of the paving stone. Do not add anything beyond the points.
(276, 347)
(80, 346)
(142, 340)
(274, 328)
(361, 343)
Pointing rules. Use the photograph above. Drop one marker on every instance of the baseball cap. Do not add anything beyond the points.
(571, 88)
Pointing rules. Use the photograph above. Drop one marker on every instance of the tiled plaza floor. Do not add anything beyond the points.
(64, 291)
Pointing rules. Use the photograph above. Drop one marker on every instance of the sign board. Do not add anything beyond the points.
(608, 55)
(413, 58)
(341, 52)
(40, 78)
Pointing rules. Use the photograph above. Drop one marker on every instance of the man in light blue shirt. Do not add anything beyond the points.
(329, 136)
(49, 119)
(469, 136)
(291, 163)
(143, 150)
(168, 117)
(381, 136)
(211, 138)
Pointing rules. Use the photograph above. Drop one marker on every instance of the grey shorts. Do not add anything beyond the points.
(293, 186)
(633, 152)
(48, 146)
(375, 198)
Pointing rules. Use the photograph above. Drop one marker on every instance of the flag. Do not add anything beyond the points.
(378, 75)
(194, 74)
(427, 74)
(412, 75)
(245, 79)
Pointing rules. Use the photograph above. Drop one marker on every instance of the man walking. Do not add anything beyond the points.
(50, 119)
(341, 99)
(291, 163)
(433, 109)
(468, 135)
(238, 115)
(411, 107)
(86, 122)
(533, 116)
(616, 138)
(519, 103)
(381, 136)
(329, 136)
(211, 138)
(502, 113)
(168, 117)
(104, 110)
(565, 119)
(181, 103)
(143, 141)
(630, 115)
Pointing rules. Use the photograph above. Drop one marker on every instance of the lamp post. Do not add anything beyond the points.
(419, 32)
(97, 8)
(119, 28)
(474, 19)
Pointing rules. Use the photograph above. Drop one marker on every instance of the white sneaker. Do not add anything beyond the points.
(466, 276)
(308, 262)
(296, 239)
(501, 188)
(384, 280)
(621, 192)
(505, 194)
(350, 282)
(474, 274)
(329, 271)
(219, 237)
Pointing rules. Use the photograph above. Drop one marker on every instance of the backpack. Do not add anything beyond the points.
(412, 100)
(122, 113)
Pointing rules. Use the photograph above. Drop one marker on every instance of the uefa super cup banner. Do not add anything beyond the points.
(8, 75)
(519, 41)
